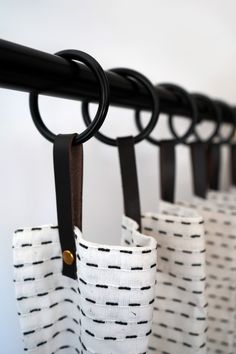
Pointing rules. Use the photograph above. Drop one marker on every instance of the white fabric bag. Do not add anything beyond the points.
(223, 198)
(85, 297)
(220, 226)
(108, 309)
(232, 189)
(180, 309)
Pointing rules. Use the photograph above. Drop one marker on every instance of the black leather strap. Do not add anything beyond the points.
(167, 170)
(198, 154)
(68, 173)
(213, 162)
(233, 164)
(129, 178)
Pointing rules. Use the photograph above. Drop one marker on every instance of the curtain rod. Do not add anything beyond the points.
(26, 69)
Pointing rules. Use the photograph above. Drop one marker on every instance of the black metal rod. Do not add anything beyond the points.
(27, 69)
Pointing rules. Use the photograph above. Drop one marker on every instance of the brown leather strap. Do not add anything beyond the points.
(233, 164)
(68, 173)
(198, 153)
(213, 162)
(167, 170)
(129, 178)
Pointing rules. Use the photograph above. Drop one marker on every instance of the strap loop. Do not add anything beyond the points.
(198, 152)
(129, 178)
(213, 159)
(233, 164)
(68, 173)
(167, 169)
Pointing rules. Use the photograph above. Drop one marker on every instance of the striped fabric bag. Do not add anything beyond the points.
(220, 226)
(180, 309)
(145, 296)
(223, 198)
(76, 296)
(107, 309)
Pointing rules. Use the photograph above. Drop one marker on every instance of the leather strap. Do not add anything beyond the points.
(167, 170)
(129, 178)
(213, 162)
(198, 154)
(233, 164)
(68, 173)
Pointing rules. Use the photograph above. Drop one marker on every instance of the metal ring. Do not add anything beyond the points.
(215, 110)
(180, 91)
(193, 107)
(134, 75)
(224, 106)
(102, 107)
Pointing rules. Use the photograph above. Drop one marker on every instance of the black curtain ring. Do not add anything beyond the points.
(184, 95)
(103, 105)
(223, 108)
(213, 109)
(140, 78)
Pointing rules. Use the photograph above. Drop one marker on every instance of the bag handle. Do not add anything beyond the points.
(129, 178)
(233, 164)
(213, 158)
(198, 154)
(167, 170)
(68, 173)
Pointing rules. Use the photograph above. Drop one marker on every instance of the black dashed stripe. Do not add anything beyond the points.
(46, 242)
(125, 251)
(101, 286)
(18, 230)
(82, 245)
(92, 265)
(124, 288)
(148, 228)
(137, 268)
(104, 249)
(178, 235)
(114, 267)
(146, 251)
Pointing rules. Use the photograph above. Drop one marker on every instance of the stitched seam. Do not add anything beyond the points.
(182, 314)
(90, 334)
(21, 265)
(98, 285)
(179, 301)
(108, 303)
(171, 340)
(178, 329)
(179, 287)
(181, 277)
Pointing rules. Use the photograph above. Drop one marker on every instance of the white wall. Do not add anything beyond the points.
(188, 42)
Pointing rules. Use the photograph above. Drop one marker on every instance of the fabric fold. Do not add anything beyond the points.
(180, 308)
(107, 310)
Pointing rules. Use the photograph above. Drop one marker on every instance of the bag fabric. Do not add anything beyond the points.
(108, 309)
(180, 309)
(120, 293)
(220, 228)
(149, 295)
(232, 189)
(75, 296)
(223, 198)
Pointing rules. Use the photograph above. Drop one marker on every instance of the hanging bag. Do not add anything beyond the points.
(75, 296)
(180, 307)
